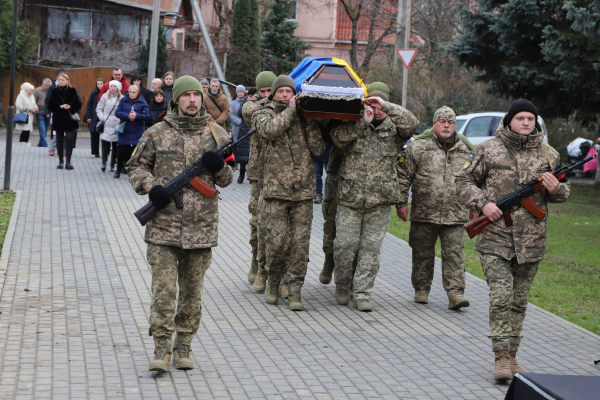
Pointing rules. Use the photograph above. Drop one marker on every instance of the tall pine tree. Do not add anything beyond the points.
(282, 50)
(245, 43)
(545, 51)
(26, 40)
(162, 55)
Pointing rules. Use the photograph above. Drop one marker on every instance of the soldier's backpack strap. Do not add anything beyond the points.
(547, 153)
(214, 134)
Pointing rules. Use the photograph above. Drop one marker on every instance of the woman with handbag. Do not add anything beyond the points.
(26, 109)
(133, 111)
(64, 104)
(107, 122)
(91, 118)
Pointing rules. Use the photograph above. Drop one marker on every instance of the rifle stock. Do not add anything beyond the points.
(476, 226)
(145, 213)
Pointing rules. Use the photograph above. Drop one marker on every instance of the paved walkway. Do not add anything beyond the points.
(76, 297)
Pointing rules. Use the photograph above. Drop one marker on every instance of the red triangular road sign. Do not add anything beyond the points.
(407, 55)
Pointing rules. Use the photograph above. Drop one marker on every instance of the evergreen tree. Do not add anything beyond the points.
(545, 51)
(282, 50)
(162, 56)
(26, 40)
(245, 43)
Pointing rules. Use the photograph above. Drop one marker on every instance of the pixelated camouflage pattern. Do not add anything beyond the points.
(431, 173)
(360, 234)
(509, 284)
(499, 167)
(255, 167)
(422, 238)
(172, 267)
(368, 177)
(253, 210)
(289, 143)
(287, 226)
(329, 205)
(164, 151)
(444, 113)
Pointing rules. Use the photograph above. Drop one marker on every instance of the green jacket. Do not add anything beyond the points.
(164, 151)
(499, 167)
(367, 176)
(289, 144)
(430, 171)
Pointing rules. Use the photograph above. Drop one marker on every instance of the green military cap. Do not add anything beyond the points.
(378, 86)
(265, 79)
(444, 113)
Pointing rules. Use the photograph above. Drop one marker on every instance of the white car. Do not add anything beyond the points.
(482, 126)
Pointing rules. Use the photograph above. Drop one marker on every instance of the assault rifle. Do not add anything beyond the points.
(523, 197)
(188, 177)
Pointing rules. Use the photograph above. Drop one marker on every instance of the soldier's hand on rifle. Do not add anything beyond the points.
(213, 161)
(368, 114)
(402, 213)
(375, 99)
(159, 197)
(473, 215)
(491, 211)
(550, 182)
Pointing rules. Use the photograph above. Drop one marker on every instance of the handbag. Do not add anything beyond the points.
(121, 128)
(21, 118)
(74, 117)
(100, 124)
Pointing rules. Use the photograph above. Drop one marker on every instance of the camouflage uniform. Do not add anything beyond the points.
(509, 255)
(329, 201)
(179, 240)
(289, 187)
(429, 165)
(366, 188)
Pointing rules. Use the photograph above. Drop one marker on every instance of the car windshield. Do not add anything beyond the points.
(459, 124)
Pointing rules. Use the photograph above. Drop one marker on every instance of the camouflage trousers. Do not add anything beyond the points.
(422, 238)
(253, 210)
(509, 284)
(329, 208)
(172, 266)
(360, 233)
(288, 225)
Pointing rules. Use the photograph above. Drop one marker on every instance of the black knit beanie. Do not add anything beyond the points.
(517, 107)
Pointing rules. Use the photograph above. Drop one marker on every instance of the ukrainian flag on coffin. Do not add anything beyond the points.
(328, 88)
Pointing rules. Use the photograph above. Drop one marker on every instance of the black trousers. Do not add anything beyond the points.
(95, 138)
(123, 155)
(24, 136)
(106, 150)
(64, 144)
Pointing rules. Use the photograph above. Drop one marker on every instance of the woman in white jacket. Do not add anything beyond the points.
(26, 103)
(106, 113)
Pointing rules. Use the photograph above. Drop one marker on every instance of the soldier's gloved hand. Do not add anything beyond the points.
(213, 161)
(159, 197)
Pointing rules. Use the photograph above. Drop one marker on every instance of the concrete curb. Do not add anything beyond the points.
(8, 239)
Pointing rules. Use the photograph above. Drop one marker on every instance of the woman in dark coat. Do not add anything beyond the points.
(157, 105)
(63, 103)
(242, 151)
(167, 87)
(91, 117)
(134, 111)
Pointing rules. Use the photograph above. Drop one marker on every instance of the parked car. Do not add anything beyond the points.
(482, 126)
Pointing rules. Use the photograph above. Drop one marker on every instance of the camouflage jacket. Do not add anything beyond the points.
(499, 167)
(426, 166)
(164, 151)
(367, 175)
(289, 144)
(255, 167)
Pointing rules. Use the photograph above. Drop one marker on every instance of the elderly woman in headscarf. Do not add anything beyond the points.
(26, 103)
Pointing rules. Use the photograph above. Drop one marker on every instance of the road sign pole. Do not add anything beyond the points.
(407, 15)
(11, 99)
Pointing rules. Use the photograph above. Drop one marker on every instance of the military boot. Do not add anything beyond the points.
(182, 358)
(162, 359)
(363, 305)
(342, 295)
(515, 368)
(260, 283)
(272, 292)
(295, 302)
(327, 271)
(457, 301)
(284, 290)
(422, 296)
(253, 269)
(502, 370)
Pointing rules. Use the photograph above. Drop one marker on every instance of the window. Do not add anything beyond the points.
(69, 24)
(128, 29)
(103, 27)
(292, 10)
(479, 127)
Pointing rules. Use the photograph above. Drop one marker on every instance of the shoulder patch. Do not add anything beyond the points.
(402, 157)
(262, 118)
(469, 161)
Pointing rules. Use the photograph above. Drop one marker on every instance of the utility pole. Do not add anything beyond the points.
(399, 29)
(407, 15)
(153, 41)
(11, 99)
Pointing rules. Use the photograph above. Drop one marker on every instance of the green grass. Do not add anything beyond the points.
(7, 199)
(568, 280)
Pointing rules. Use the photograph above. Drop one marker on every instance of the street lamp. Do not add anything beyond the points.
(11, 99)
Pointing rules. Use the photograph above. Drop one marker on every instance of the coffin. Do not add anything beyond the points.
(328, 88)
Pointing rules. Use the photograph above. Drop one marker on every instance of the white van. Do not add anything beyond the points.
(482, 126)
